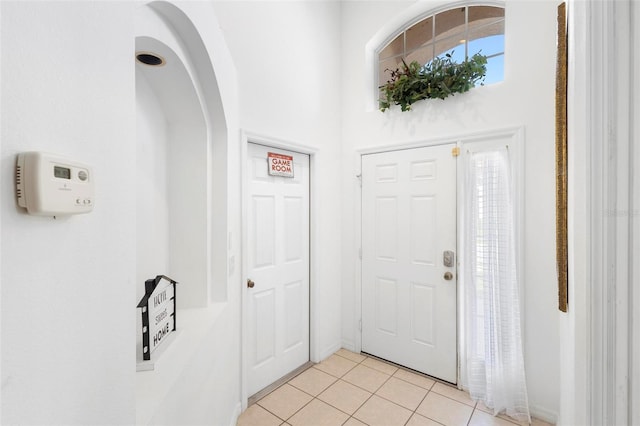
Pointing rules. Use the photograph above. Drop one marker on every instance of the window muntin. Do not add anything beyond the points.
(461, 31)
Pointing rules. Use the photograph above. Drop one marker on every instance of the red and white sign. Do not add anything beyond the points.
(280, 165)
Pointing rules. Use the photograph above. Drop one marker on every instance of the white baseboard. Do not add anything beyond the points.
(326, 353)
(349, 345)
(544, 414)
(236, 413)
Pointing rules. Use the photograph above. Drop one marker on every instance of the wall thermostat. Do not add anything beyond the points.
(48, 185)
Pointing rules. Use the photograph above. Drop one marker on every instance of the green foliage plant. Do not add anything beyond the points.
(439, 79)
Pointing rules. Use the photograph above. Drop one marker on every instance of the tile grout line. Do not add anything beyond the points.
(359, 407)
(350, 415)
(315, 397)
(267, 410)
(299, 409)
(370, 396)
(374, 393)
(418, 406)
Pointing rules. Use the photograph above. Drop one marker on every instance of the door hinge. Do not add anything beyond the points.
(359, 179)
(360, 325)
(360, 253)
(455, 151)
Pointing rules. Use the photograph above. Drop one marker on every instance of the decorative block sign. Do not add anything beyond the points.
(158, 308)
(280, 165)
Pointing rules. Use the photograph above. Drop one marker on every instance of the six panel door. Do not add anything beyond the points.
(408, 294)
(278, 266)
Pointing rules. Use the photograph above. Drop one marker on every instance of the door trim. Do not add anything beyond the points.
(247, 138)
(516, 134)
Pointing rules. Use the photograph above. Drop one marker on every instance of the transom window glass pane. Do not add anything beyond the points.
(386, 67)
(450, 22)
(480, 15)
(396, 47)
(487, 45)
(451, 46)
(461, 32)
(419, 34)
(423, 55)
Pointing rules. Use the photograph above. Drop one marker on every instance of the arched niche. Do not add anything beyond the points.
(182, 159)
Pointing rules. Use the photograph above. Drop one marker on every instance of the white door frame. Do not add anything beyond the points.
(516, 134)
(246, 139)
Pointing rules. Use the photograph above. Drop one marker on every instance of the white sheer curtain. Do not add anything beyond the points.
(493, 365)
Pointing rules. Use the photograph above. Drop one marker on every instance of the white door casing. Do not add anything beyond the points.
(408, 220)
(277, 311)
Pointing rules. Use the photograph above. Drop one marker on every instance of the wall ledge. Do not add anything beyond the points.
(156, 378)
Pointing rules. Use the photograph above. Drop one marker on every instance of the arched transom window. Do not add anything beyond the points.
(462, 32)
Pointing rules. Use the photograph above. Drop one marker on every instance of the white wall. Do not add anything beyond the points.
(152, 203)
(171, 189)
(287, 57)
(68, 327)
(525, 98)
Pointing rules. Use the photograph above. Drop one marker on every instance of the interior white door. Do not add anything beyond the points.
(408, 293)
(277, 311)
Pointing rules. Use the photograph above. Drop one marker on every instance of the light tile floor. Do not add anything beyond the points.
(355, 390)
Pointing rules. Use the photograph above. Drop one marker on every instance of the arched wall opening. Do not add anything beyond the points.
(171, 176)
(198, 58)
(181, 158)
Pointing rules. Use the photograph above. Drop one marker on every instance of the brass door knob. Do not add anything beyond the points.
(448, 276)
(250, 283)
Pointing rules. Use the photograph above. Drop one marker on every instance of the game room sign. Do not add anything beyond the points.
(158, 313)
(280, 165)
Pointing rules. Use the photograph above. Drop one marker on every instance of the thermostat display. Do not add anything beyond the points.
(48, 185)
(62, 172)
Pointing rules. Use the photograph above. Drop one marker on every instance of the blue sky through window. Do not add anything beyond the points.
(489, 46)
(495, 70)
(492, 47)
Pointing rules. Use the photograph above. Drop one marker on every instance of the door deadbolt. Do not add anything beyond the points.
(448, 258)
(250, 283)
(448, 276)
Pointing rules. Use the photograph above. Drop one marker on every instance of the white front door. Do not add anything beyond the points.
(278, 268)
(408, 293)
